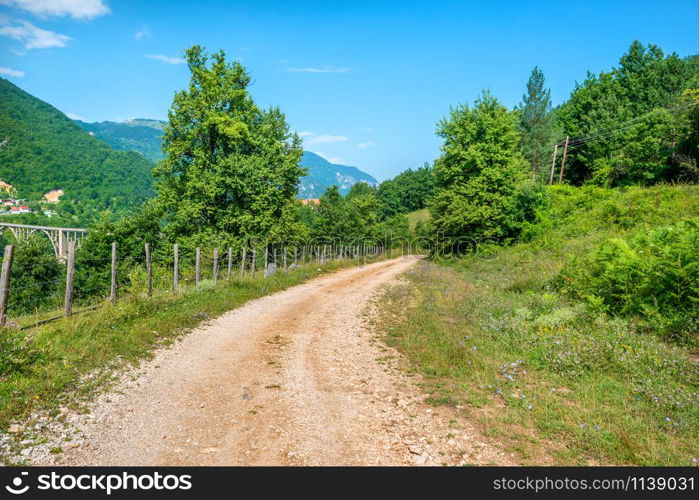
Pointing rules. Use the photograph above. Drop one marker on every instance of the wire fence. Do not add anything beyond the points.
(86, 285)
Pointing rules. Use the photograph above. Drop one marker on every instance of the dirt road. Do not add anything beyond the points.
(295, 378)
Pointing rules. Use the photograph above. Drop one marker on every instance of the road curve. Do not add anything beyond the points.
(294, 378)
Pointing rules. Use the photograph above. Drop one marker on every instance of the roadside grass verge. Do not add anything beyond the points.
(63, 362)
(549, 377)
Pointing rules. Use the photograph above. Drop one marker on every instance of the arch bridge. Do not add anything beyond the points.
(59, 236)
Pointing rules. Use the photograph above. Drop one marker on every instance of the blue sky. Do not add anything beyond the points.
(365, 81)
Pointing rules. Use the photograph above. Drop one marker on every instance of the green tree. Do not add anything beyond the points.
(330, 221)
(630, 125)
(406, 192)
(36, 275)
(230, 168)
(481, 175)
(536, 121)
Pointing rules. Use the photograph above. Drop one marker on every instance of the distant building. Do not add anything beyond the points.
(310, 201)
(53, 196)
(24, 209)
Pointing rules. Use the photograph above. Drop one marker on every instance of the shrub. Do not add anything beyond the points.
(36, 275)
(653, 276)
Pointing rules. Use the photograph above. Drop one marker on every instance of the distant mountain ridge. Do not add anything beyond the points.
(137, 134)
(323, 174)
(144, 136)
(45, 150)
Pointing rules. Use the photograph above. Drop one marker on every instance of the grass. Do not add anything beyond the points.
(549, 378)
(61, 362)
(416, 216)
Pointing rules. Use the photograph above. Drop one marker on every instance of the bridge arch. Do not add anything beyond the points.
(59, 236)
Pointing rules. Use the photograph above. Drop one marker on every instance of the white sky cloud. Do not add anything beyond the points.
(31, 36)
(77, 9)
(364, 145)
(142, 33)
(326, 69)
(331, 159)
(166, 59)
(11, 72)
(305, 133)
(73, 116)
(324, 139)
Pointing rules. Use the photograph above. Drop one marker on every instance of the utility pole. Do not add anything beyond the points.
(553, 165)
(563, 163)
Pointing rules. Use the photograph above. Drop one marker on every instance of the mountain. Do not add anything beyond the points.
(138, 134)
(144, 136)
(46, 150)
(322, 174)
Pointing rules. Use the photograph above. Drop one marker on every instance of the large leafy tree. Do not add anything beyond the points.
(406, 192)
(629, 125)
(536, 121)
(481, 175)
(230, 168)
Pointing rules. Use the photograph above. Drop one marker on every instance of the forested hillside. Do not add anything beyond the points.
(141, 135)
(45, 150)
(323, 174)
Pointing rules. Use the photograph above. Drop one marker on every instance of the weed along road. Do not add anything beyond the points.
(295, 378)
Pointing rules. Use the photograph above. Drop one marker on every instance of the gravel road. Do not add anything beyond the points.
(294, 378)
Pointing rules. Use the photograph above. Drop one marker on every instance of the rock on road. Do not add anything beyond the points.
(294, 378)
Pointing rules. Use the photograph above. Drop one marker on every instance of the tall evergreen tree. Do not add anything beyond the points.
(536, 123)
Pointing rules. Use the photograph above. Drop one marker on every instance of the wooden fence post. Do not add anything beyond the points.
(149, 270)
(113, 291)
(266, 259)
(296, 254)
(303, 254)
(215, 266)
(254, 262)
(70, 271)
(197, 266)
(5, 281)
(176, 269)
(285, 257)
(230, 261)
(242, 263)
